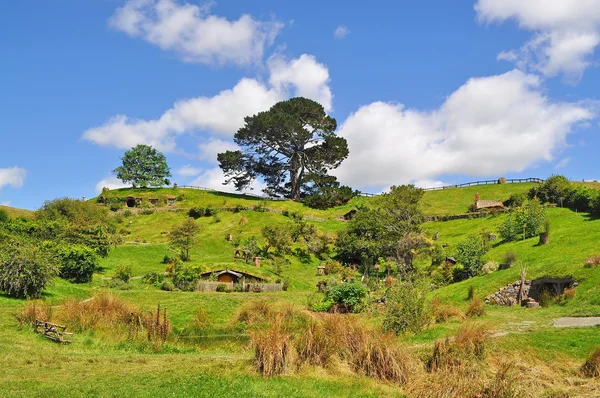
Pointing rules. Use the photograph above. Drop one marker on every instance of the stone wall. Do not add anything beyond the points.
(509, 294)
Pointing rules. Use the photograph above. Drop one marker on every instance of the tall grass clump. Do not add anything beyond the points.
(591, 367)
(476, 308)
(34, 310)
(443, 312)
(456, 355)
(253, 312)
(158, 327)
(272, 349)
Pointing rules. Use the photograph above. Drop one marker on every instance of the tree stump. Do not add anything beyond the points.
(544, 238)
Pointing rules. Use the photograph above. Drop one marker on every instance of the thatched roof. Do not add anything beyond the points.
(487, 204)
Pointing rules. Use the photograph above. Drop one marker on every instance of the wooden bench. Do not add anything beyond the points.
(53, 331)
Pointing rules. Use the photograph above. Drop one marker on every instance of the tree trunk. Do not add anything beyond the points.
(544, 238)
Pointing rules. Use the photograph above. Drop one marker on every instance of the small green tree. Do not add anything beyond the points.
(183, 237)
(347, 296)
(524, 222)
(278, 237)
(26, 268)
(469, 253)
(144, 166)
(405, 308)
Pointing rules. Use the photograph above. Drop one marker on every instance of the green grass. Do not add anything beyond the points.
(13, 212)
(218, 363)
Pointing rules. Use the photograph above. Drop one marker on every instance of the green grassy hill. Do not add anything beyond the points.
(14, 212)
(218, 363)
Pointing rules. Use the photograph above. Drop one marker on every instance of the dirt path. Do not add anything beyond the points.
(570, 322)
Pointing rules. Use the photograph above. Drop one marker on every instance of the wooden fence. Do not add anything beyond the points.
(208, 286)
(472, 183)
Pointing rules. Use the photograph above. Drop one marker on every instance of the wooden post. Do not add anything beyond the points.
(522, 287)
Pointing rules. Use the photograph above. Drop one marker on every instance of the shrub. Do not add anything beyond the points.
(272, 350)
(168, 260)
(146, 212)
(124, 273)
(185, 277)
(201, 320)
(33, 310)
(319, 303)
(476, 308)
(167, 285)
(26, 269)
(4, 216)
(489, 267)
(471, 293)
(116, 283)
(153, 278)
(443, 312)
(469, 253)
(104, 310)
(77, 263)
(509, 257)
(347, 297)
(591, 367)
(196, 212)
(516, 200)
(329, 197)
(127, 213)
(405, 308)
(116, 207)
(221, 287)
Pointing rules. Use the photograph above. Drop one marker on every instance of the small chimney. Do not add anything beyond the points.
(476, 197)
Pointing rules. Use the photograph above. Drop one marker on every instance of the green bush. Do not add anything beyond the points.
(318, 302)
(25, 269)
(406, 311)
(328, 197)
(147, 212)
(4, 216)
(167, 285)
(196, 212)
(153, 278)
(77, 263)
(348, 296)
(124, 273)
(516, 200)
(221, 287)
(127, 213)
(524, 222)
(115, 207)
(469, 254)
(185, 277)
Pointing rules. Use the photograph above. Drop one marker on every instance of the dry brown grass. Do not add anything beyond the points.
(444, 312)
(253, 312)
(158, 327)
(34, 310)
(272, 349)
(591, 367)
(105, 310)
(459, 353)
(476, 308)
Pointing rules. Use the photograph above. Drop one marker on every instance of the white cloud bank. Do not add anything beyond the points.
(110, 183)
(489, 126)
(194, 33)
(13, 176)
(222, 114)
(565, 33)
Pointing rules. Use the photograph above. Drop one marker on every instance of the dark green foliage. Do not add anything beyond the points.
(144, 167)
(167, 285)
(196, 212)
(291, 146)
(183, 237)
(348, 297)
(375, 232)
(185, 277)
(77, 262)
(147, 212)
(4, 216)
(221, 287)
(553, 190)
(405, 308)
(251, 246)
(278, 237)
(115, 207)
(469, 253)
(26, 268)
(302, 229)
(516, 200)
(328, 194)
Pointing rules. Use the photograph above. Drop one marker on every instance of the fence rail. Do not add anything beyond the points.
(472, 183)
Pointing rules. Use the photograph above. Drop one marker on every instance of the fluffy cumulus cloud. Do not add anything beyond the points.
(13, 176)
(341, 31)
(222, 114)
(489, 126)
(213, 178)
(194, 33)
(188, 171)
(110, 183)
(565, 33)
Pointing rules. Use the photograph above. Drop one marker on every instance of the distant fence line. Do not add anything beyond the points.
(471, 184)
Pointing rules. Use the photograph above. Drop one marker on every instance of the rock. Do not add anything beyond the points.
(533, 304)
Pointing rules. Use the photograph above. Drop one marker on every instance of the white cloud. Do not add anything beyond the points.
(562, 163)
(565, 33)
(489, 126)
(194, 33)
(110, 183)
(341, 31)
(7, 203)
(214, 178)
(210, 148)
(188, 171)
(13, 176)
(222, 114)
(429, 184)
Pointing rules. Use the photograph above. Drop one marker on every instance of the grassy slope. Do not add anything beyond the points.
(217, 368)
(14, 212)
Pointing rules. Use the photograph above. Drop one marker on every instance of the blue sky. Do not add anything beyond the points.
(426, 92)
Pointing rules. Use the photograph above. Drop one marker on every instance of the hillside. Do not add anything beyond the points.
(14, 212)
(200, 362)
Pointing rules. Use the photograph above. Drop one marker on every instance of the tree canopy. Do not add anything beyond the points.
(183, 237)
(292, 146)
(144, 166)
